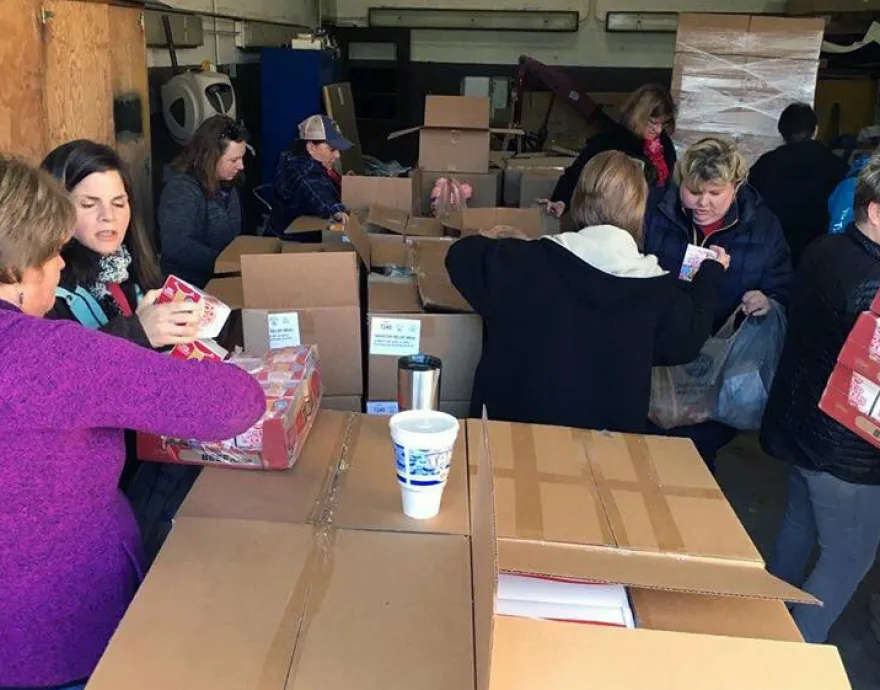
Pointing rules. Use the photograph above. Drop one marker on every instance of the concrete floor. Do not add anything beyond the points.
(755, 485)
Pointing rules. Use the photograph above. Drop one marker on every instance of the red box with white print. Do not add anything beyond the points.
(853, 400)
(200, 351)
(861, 351)
(291, 380)
(214, 312)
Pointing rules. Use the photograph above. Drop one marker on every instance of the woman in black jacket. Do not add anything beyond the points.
(575, 322)
(834, 475)
(648, 120)
(111, 278)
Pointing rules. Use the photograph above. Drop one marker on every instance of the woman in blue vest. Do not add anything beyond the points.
(111, 275)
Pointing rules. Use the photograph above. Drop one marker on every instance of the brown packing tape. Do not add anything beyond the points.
(284, 654)
(647, 484)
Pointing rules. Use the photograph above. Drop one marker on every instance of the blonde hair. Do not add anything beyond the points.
(867, 189)
(611, 191)
(36, 218)
(713, 159)
(648, 102)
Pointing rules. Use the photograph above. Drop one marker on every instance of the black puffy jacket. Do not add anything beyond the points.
(837, 280)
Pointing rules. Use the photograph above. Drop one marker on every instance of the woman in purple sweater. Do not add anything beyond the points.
(70, 554)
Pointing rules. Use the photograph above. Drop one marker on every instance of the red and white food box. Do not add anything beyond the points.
(853, 400)
(291, 380)
(214, 312)
(861, 351)
(200, 351)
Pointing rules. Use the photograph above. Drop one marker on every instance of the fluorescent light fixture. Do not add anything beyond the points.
(480, 20)
(641, 22)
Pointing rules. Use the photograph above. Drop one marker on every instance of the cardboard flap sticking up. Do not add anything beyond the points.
(359, 193)
(387, 218)
(228, 290)
(435, 286)
(457, 112)
(229, 260)
(393, 295)
(280, 281)
(532, 654)
(424, 227)
(305, 224)
(360, 240)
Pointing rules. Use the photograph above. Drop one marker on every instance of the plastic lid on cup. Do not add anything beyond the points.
(424, 429)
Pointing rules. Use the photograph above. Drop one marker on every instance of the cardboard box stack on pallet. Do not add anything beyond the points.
(313, 578)
(735, 74)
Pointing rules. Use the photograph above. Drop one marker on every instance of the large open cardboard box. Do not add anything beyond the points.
(457, 339)
(359, 193)
(311, 297)
(229, 260)
(641, 511)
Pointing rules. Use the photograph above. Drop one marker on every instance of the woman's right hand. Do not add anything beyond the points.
(553, 208)
(722, 257)
(168, 324)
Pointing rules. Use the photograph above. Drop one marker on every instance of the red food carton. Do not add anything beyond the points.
(200, 351)
(853, 400)
(861, 351)
(214, 312)
(291, 379)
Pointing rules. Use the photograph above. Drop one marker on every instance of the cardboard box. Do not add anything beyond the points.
(516, 167)
(359, 193)
(472, 220)
(313, 298)
(861, 351)
(536, 185)
(234, 604)
(402, 223)
(368, 497)
(229, 261)
(291, 380)
(735, 74)
(435, 286)
(455, 136)
(343, 403)
(586, 506)
(486, 187)
(852, 400)
(457, 339)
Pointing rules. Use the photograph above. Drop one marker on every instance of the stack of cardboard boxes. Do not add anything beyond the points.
(313, 578)
(735, 74)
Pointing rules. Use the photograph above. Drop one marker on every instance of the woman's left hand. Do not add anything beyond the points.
(500, 232)
(755, 303)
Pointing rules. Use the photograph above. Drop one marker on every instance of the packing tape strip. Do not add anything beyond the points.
(655, 495)
(284, 654)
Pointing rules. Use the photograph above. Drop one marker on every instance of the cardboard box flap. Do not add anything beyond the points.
(298, 609)
(424, 227)
(649, 571)
(305, 224)
(281, 281)
(439, 294)
(229, 260)
(228, 290)
(529, 654)
(360, 240)
(388, 218)
(393, 295)
(457, 112)
(359, 193)
(588, 488)
(472, 220)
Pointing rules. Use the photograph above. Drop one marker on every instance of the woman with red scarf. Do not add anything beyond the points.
(648, 117)
(307, 182)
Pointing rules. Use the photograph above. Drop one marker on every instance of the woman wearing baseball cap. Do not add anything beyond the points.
(306, 181)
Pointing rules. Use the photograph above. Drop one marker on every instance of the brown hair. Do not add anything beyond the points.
(713, 159)
(36, 218)
(73, 162)
(648, 102)
(611, 191)
(207, 146)
(867, 189)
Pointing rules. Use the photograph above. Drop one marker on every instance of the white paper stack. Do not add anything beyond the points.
(563, 600)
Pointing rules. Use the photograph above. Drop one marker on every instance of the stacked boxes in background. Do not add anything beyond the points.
(852, 396)
(735, 74)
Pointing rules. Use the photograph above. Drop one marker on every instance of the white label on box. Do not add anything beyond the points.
(284, 330)
(863, 393)
(396, 337)
(383, 408)
(693, 259)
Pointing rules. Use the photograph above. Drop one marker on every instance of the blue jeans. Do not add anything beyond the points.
(844, 520)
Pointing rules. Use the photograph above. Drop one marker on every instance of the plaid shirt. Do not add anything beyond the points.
(302, 187)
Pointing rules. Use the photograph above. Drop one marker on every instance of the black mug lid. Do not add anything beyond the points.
(419, 363)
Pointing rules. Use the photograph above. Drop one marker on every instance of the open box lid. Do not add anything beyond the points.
(435, 286)
(318, 279)
(359, 193)
(636, 510)
(521, 654)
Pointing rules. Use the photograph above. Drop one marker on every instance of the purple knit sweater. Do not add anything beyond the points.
(70, 556)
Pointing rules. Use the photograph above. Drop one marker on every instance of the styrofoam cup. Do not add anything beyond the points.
(423, 441)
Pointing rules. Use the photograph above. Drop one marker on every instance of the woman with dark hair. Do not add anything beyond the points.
(307, 182)
(200, 209)
(111, 275)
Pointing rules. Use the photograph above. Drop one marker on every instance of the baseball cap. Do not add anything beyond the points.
(322, 128)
